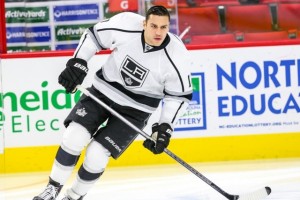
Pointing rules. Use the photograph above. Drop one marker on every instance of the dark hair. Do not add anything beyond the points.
(157, 10)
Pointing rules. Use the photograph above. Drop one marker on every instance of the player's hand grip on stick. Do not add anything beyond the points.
(161, 134)
(256, 195)
(73, 75)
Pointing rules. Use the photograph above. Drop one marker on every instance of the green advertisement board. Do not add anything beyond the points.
(27, 14)
(70, 32)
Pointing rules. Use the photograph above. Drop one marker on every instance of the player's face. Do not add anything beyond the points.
(156, 29)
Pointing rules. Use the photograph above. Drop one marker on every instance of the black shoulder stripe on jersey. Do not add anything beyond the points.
(80, 46)
(91, 29)
(146, 100)
(117, 29)
(182, 86)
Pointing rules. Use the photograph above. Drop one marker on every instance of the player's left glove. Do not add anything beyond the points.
(161, 134)
(73, 75)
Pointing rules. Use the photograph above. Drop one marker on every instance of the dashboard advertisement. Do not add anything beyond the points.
(253, 90)
(238, 91)
(1, 116)
(54, 25)
(58, 25)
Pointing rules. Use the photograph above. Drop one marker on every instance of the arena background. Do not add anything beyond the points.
(246, 99)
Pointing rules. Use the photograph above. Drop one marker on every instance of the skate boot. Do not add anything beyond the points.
(71, 195)
(51, 191)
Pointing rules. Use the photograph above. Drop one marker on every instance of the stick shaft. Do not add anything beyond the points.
(172, 155)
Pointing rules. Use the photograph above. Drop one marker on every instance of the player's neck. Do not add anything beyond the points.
(148, 47)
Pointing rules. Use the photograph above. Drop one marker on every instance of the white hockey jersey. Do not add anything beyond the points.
(136, 74)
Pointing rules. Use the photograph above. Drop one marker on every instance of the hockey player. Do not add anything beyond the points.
(147, 64)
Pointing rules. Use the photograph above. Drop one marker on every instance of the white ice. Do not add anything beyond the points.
(173, 182)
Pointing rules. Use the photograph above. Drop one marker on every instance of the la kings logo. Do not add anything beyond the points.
(133, 73)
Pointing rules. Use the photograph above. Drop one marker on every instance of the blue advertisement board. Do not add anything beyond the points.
(38, 34)
(22, 34)
(76, 12)
(65, 46)
(15, 34)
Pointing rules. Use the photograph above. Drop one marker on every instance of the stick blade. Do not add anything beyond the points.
(256, 195)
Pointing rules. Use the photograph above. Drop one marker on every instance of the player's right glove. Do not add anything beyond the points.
(73, 75)
(161, 134)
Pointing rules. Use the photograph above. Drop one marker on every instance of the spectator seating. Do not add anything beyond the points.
(180, 3)
(213, 39)
(198, 3)
(269, 1)
(289, 16)
(278, 1)
(203, 20)
(218, 2)
(266, 36)
(248, 18)
(288, 1)
(215, 21)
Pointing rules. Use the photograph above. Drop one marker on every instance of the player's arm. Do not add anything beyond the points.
(91, 42)
(178, 86)
(107, 34)
(178, 93)
(173, 108)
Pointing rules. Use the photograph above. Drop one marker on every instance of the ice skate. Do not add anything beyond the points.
(70, 195)
(51, 191)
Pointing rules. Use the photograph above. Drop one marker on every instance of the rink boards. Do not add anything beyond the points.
(246, 105)
(249, 147)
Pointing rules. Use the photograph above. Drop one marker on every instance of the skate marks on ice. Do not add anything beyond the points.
(172, 182)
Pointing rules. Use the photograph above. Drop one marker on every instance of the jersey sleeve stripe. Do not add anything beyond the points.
(172, 93)
(175, 115)
(182, 86)
(95, 38)
(185, 98)
(78, 49)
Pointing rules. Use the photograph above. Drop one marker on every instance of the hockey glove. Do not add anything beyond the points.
(161, 134)
(73, 75)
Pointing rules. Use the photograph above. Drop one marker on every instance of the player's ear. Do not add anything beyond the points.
(144, 24)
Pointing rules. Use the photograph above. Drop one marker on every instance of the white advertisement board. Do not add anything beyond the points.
(1, 114)
(253, 90)
(239, 91)
(35, 103)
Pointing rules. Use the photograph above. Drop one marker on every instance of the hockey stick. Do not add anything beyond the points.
(256, 195)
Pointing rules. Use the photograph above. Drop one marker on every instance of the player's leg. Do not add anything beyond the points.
(94, 164)
(117, 136)
(113, 139)
(81, 123)
(75, 138)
